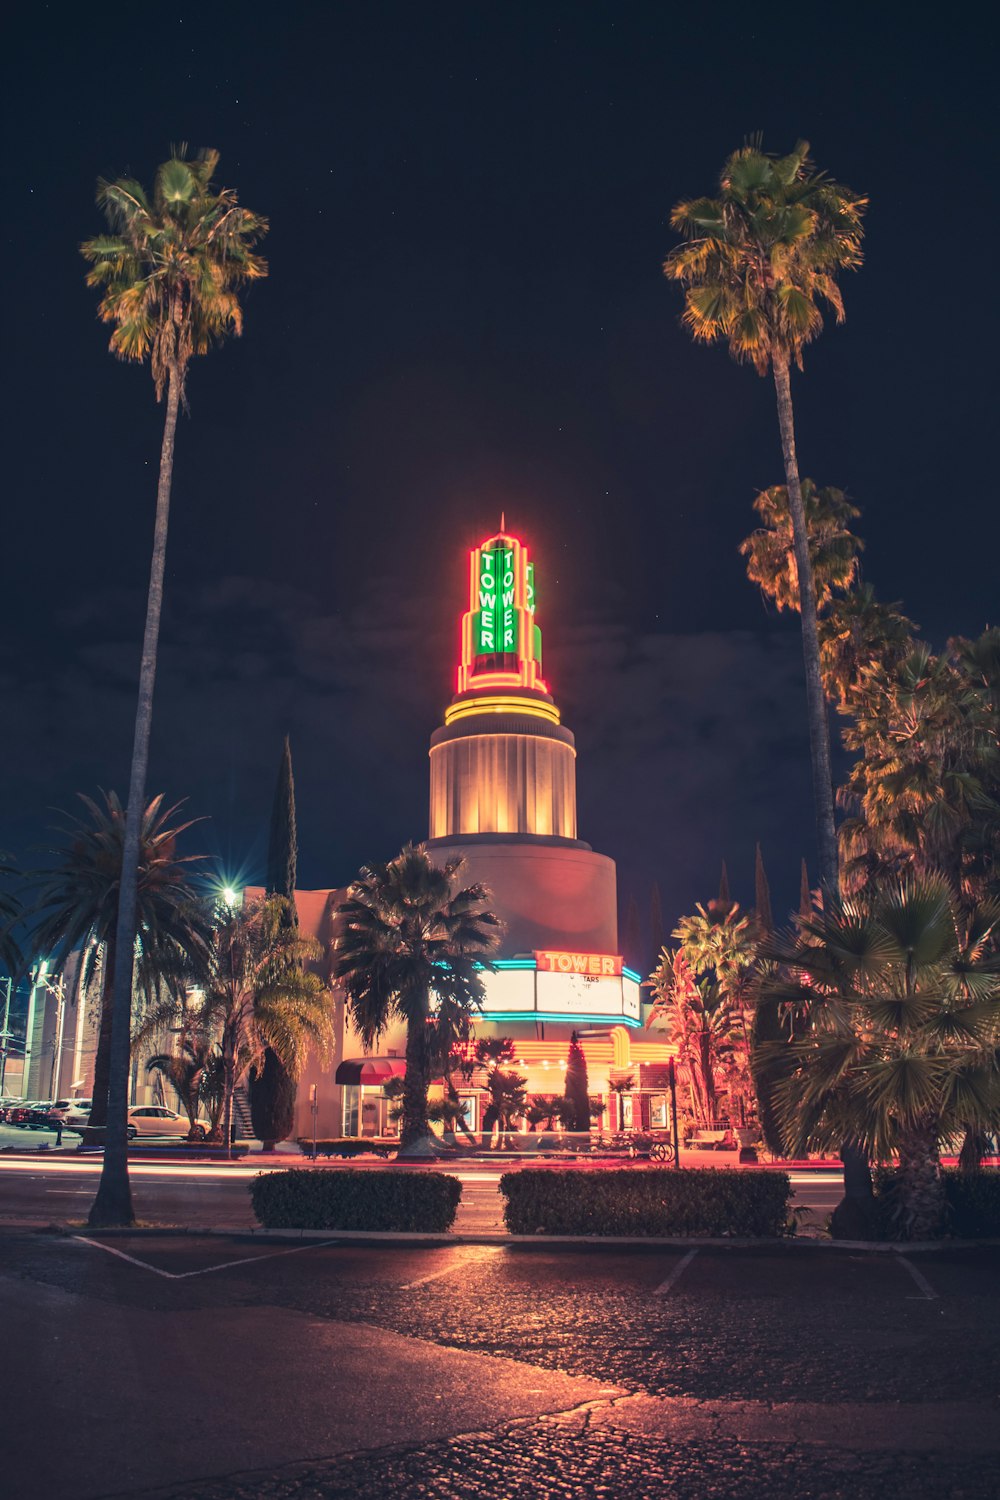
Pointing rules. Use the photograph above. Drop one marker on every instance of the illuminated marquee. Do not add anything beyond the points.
(579, 963)
(517, 990)
(501, 644)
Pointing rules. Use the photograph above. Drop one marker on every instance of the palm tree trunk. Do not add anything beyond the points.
(974, 1148)
(94, 1133)
(113, 1204)
(415, 1126)
(921, 1188)
(857, 1174)
(819, 724)
(451, 1092)
(228, 1092)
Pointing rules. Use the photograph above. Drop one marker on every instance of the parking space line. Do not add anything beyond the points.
(929, 1294)
(225, 1265)
(666, 1287)
(477, 1252)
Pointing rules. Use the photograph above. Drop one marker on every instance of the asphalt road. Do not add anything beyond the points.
(46, 1189)
(215, 1369)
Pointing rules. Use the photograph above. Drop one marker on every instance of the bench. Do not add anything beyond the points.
(708, 1140)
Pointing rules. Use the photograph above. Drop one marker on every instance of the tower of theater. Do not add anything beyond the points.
(503, 772)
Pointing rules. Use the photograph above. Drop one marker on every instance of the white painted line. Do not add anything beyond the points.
(929, 1294)
(479, 1252)
(225, 1265)
(96, 1245)
(665, 1287)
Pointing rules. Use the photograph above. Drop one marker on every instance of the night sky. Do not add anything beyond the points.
(465, 314)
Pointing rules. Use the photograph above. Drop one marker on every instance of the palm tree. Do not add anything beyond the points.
(189, 1064)
(10, 913)
(833, 547)
(408, 933)
(756, 262)
(259, 995)
(506, 1089)
(697, 1019)
(925, 781)
(169, 273)
(900, 993)
(77, 900)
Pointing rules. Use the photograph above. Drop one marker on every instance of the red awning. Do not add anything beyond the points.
(373, 1070)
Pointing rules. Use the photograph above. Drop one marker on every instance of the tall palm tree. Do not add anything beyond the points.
(258, 994)
(756, 262)
(408, 932)
(76, 905)
(900, 992)
(170, 272)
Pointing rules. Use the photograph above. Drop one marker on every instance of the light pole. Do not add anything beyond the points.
(672, 1080)
(5, 1034)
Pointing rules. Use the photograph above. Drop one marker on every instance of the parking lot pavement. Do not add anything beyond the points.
(217, 1369)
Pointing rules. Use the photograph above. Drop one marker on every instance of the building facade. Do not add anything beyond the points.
(503, 798)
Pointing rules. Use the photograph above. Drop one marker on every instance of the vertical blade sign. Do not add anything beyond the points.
(495, 622)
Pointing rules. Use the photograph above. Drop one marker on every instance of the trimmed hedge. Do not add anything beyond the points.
(647, 1201)
(422, 1201)
(972, 1203)
(348, 1145)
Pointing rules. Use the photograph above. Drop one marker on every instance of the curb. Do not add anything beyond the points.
(406, 1239)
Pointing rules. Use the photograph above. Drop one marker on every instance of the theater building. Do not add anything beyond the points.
(503, 796)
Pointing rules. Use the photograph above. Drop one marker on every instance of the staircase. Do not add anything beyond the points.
(242, 1124)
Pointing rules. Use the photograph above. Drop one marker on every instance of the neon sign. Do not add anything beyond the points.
(501, 644)
(495, 623)
(579, 963)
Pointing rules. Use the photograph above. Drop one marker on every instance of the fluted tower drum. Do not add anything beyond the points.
(503, 775)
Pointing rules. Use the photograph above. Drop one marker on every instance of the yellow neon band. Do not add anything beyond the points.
(529, 706)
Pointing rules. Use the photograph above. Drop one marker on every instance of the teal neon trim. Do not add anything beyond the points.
(631, 974)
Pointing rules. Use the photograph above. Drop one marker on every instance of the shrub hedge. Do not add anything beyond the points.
(348, 1145)
(422, 1201)
(647, 1201)
(972, 1203)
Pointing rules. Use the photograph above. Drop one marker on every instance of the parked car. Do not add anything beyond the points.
(155, 1119)
(28, 1114)
(77, 1115)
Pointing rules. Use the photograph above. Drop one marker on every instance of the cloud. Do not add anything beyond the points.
(690, 747)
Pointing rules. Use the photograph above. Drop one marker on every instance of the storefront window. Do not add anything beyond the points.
(468, 1103)
(352, 1109)
(626, 1111)
(658, 1112)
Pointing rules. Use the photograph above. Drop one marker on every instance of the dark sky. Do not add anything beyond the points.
(465, 313)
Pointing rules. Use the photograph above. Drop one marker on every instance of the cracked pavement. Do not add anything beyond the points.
(216, 1369)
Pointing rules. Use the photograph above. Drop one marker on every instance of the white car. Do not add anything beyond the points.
(154, 1119)
(76, 1114)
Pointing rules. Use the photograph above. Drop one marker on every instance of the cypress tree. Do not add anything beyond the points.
(283, 844)
(272, 1090)
(762, 894)
(576, 1089)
